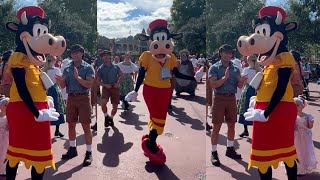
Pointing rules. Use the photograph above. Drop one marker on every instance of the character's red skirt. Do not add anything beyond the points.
(29, 141)
(157, 100)
(273, 141)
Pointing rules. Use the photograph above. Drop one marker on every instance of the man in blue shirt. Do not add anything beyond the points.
(224, 78)
(78, 79)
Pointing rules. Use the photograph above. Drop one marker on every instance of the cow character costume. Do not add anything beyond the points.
(156, 68)
(185, 67)
(272, 109)
(30, 110)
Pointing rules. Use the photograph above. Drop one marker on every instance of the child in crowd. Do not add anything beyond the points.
(303, 138)
(4, 134)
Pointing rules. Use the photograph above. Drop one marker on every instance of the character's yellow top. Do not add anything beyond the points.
(270, 79)
(33, 81)
(153, 69)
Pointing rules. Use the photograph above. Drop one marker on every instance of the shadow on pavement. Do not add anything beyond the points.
(316, 144)
(183, 118)
(113, 146)
(162, 172)
(253, 172)
(64, 175)
(198, 99)
(49, 172)
(132, 118)
(313, 176)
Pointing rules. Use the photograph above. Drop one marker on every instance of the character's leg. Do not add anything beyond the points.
(291, 172)
(267, 175)
(35, 175)
(11, 172)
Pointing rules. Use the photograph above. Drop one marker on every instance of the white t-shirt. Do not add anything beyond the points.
(194, 62)
(128, 69)
(251, 73)
(52, 73)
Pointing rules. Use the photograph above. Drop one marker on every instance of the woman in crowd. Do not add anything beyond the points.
(55, 92)
(247, 92)
(128, 69)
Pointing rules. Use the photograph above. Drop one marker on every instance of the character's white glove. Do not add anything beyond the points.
(48, 115)
(132, 96)
(252, 102)
(50, 102)
(255, 115)
(199, 74)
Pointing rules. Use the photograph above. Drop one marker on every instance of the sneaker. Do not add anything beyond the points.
(87, 159)
(111, 121)
(215, 158)
(94, 127)
(58, 134)
(71, 153)
(231, 153)
(106, 121)
(244, 134)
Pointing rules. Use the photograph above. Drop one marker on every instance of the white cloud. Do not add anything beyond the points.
(113, 19)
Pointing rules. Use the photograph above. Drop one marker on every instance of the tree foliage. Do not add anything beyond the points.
(188, 17)
(75, 20)
(306, 38)
(7, 13)
(227, 20)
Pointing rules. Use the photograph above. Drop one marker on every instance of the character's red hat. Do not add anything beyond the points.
(31, 11)
(272, 11)
(157, 23)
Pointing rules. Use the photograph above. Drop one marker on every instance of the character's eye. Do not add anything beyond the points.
(266, 30)
(163, 38)
(158, 38)
(39, 30)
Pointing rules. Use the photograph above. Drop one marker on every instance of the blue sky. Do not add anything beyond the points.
(121, 18)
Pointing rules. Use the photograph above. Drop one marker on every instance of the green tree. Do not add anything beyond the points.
(187, 17)
(305, 38)
(76, 20)
(7, 13)
(227, 20)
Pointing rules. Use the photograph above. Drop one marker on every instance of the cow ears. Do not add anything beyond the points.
(176, 36)
(143, 37)
(12, 26)
(291, 26)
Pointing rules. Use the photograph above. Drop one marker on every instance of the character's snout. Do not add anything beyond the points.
(58, 44)
(48, 44)
(243, 45)
(255, 44)
(161, 47)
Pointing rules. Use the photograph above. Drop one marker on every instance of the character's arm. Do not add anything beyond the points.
(19, 78)
(140, 79)
(283, 79)
(179, 75)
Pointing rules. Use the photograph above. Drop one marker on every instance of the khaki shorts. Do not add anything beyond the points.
(297, 90)
(224, 108)
(112, 93)
(79, 107)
